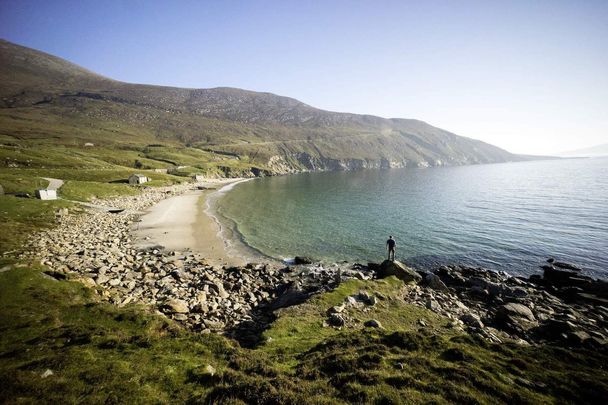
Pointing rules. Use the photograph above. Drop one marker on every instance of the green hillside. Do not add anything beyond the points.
(46, 102)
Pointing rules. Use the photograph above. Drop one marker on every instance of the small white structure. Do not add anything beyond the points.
(198, 177)
(89, 145)
(46, 194)
(161, 170)
(138, 179)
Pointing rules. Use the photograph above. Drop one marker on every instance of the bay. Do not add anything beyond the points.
(510, 216)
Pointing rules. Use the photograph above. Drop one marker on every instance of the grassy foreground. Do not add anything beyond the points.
(60, 344)
(99, 353)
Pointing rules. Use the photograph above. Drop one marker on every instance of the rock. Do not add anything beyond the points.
(366, 298)
(373, 267)
(517, 310)
(292, 296)
(578, 338)
(372, 323)
(566, 266)
(515, 317)
(87, 281)
(336, 309)
(336, 320)
(214, 325)
(398, 269)
(302, 260)
(472, 320)
(433, 281)
(102, 279)
(177, 306)
(220, 289)
(210, 370)
(47, 373)
(433, 305)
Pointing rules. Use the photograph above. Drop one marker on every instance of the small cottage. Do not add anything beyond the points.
(46, 194)
(161, 170)
(89, 145)
(135, 179)
(198, 177)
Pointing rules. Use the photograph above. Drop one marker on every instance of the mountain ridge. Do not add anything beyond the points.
(277, 133)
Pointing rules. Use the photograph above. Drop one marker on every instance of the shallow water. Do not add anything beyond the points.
(502, 216)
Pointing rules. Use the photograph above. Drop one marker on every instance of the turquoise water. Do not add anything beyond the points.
(507, 217)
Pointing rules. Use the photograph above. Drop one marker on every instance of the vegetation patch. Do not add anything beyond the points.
(21, 217)
(87, 190)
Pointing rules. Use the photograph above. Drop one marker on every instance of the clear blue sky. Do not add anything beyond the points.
(529, 76)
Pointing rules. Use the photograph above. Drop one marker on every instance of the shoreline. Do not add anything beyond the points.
(561, 306)
(185, 222)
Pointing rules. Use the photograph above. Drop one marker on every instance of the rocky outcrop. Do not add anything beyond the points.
(399, 270)
(498, 306)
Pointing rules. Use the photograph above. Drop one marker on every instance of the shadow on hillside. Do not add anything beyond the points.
(249, 333)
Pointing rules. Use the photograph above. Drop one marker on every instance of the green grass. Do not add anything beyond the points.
(96, 351)
(297, 329)
(87, 190)
(100, 353)
(16, 183)
(21, 217)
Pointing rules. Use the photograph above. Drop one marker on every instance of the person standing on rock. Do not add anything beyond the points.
(390, 246)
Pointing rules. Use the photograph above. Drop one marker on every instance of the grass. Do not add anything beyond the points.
(100, 353)
(87, 190)
(16, 183)
(298, 329)
(21, 217)
(96, 351)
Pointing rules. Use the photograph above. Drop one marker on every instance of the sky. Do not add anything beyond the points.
(528, 76)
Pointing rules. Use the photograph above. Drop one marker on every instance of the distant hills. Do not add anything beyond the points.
(597, 150)
(47, 100)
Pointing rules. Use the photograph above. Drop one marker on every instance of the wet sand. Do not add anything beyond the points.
(181, 223)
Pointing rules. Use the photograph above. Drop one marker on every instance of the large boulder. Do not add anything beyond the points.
(302, 260)
(517, 317)
(433, 281)
(177, 306)
(399, 270)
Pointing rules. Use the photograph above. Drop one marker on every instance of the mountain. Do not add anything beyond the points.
(47, 100)
(597, 150)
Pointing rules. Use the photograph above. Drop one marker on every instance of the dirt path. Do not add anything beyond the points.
(54, 184)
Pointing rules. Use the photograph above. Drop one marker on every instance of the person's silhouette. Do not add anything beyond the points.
(390, 246)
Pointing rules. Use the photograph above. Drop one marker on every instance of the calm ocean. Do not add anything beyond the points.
(507, 217)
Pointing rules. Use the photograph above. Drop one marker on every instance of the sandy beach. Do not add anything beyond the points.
(181, 223)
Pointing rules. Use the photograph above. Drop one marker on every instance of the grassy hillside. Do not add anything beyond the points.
(49, 101)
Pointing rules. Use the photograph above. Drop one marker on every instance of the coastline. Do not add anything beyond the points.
(186, 222)
(561, 306)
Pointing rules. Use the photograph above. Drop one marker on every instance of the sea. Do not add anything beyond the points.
(506, 217)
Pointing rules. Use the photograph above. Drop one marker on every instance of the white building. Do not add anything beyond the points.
(138, 179)
(45, 194)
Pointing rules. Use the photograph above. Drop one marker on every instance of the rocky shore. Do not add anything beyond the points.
(97, 248)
